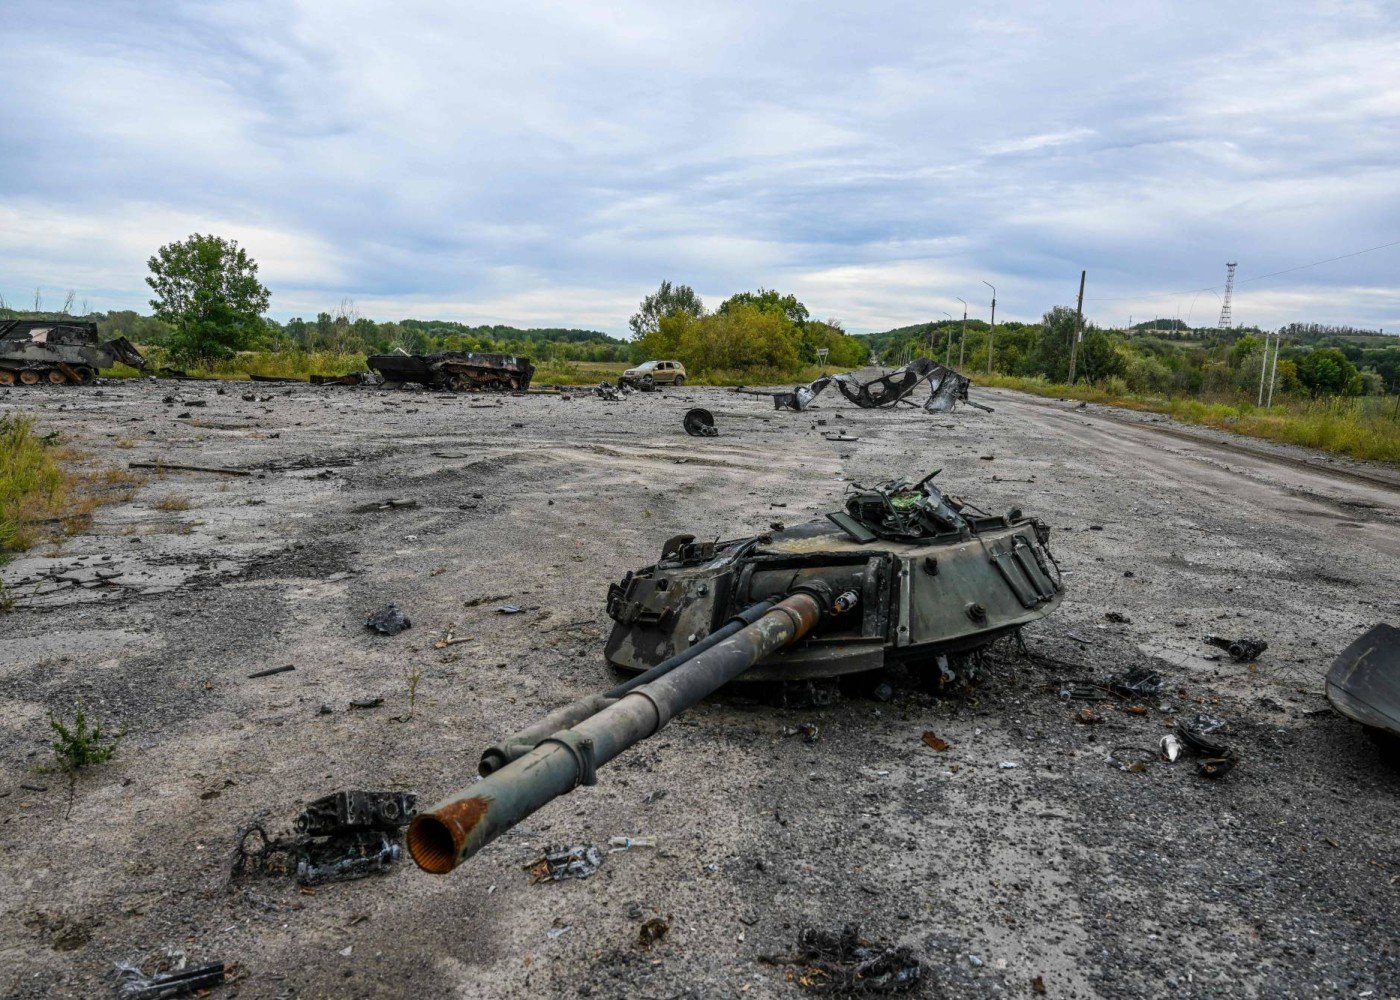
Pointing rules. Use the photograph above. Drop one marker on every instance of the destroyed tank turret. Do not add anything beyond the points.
(59, 351)
(902, 574)
(456, 370)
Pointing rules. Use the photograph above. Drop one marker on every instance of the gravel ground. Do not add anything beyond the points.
(1283, 879)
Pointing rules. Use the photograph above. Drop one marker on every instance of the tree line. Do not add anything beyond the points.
(1142, 360)
(209, 304)
(760, 334)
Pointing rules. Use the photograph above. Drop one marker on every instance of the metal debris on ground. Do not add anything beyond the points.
(946, 389)
(345, 835)
(1088, 717)
(699, 422)
(1171, 748)
(353, 378)
(616, 844)
(1139, 682)
(1198, 733)
(607, 392)
(1364, 683)
(558, 863)
(1241, 650)
(842, 962)
(270, 671)
(386, 505)
(389, 620)
(509, 609)
(136, 985)
(809, 731)
(450, 638)
(653, 930)
(935, 742)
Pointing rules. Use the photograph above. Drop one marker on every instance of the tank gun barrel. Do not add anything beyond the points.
(594, 731)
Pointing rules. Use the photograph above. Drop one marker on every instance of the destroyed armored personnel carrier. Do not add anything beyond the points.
(904, 573)
(59, 351)
(456, 370)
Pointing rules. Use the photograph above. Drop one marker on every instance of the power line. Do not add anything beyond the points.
(1241, 281)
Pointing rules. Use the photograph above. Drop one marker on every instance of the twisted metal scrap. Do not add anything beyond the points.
(946, 388)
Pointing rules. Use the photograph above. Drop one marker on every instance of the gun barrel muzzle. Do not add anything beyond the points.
(460, 825)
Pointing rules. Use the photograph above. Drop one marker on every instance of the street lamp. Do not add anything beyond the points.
(962, 345)
(991, 332)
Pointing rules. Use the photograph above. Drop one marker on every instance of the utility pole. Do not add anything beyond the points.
(962, 345)
(1078, 327)
(1263, 370)
(950, 335)
(1273, 374)
(991, 332)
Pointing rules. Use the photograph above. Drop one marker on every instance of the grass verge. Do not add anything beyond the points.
(34, 486)
(1364, 427)
(41, 496)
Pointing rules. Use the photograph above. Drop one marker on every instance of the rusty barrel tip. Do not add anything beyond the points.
(438, 838)
(431, 844)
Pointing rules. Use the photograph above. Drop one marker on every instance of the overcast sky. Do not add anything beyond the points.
(549, 164)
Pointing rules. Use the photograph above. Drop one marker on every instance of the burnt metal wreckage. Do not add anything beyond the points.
(947, 388)
(59, 352)
(456, 370)
(345, 835)
(1364, 685)
(903, 574)
(700, 422)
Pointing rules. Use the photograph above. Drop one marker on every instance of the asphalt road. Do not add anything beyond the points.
(1280, 880)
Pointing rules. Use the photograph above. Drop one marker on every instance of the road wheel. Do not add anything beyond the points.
(7, 377)
(680, 380)
(55, 376)
(29, 377)
(84, 375)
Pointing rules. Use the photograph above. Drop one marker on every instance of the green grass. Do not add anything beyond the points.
(33, 484)
(1358, 427)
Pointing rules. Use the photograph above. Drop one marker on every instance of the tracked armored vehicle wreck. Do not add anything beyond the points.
(902, 573)
(456, 370)
(947, 388)
(59, 351)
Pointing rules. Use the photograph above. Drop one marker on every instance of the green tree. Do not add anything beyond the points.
(1051, 354)
(1326, 372)
(1099, 358)
(667, 300)
(769, 300)
(207, 289)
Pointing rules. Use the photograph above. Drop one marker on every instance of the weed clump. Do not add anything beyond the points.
(79, 745)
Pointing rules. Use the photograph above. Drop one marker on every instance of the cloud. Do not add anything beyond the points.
(537, 162)
(1035, 143)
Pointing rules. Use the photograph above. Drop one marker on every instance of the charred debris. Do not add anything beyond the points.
(345, 835)
(946, 388)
